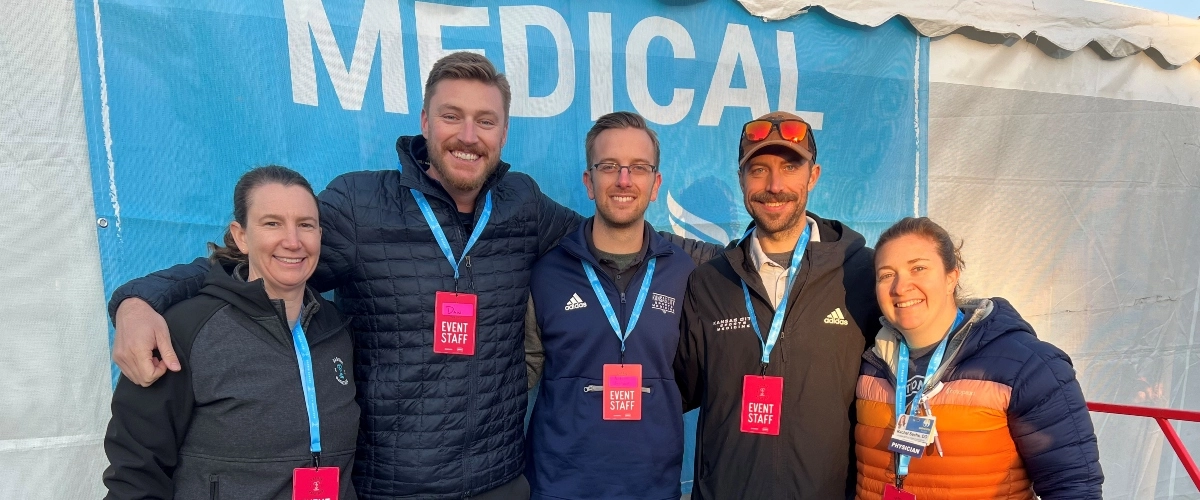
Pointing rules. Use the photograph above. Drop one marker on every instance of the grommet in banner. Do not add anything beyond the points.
(102, 222)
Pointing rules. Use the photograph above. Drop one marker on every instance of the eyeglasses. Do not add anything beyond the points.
(789, 130)
(636, 170)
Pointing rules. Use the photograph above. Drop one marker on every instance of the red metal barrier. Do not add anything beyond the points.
(1161, 415)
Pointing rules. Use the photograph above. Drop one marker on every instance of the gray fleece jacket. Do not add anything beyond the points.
(232, 423)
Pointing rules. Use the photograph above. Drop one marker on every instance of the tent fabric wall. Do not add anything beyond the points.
(1074, 184)
(53, 341)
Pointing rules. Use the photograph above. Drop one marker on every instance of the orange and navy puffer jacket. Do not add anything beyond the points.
(1011, 418)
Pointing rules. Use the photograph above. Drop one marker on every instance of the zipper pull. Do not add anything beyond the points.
(468, 261)
(622, 297)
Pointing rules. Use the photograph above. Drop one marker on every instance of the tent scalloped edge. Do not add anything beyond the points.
(1117, 30)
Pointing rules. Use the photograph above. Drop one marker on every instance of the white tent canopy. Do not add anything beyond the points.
(1118, 30)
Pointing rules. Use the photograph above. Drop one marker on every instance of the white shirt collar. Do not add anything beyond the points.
(760, 258)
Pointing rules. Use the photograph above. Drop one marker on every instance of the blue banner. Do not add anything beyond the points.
(183, 97)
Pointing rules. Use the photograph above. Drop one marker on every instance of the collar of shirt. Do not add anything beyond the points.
(608, 266)
(760, 258)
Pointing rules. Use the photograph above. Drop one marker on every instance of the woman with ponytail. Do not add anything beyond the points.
(264, 404)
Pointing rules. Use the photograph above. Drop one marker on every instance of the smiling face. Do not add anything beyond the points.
(465, 128)
(914, 289)
(775, 186)
(622, 197)
(281, 238)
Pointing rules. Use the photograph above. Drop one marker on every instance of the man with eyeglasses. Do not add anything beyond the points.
(604, 312)
(773, 333)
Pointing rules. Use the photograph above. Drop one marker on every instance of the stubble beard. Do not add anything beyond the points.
(614, 222)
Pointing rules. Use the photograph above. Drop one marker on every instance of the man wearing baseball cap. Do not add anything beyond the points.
(773, 333)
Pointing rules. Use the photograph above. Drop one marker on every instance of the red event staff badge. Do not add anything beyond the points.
(762, 395)
(321, 483)
(454, 323)
(622, 382)
(623, 392)
(893, 493)
(454, 313)
(762, 399)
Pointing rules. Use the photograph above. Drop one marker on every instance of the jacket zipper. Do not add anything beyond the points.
(621, 293)
(470, 430)
(214, 487)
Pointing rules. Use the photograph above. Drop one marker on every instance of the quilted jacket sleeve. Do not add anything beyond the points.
(163, 289)
(554, 221)
(1051, 426)
(338, 235)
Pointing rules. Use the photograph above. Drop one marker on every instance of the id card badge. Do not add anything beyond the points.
(454, 323)
(320, 483)
(911, 435)
(623, 392)
(762, 401)
(891, 492)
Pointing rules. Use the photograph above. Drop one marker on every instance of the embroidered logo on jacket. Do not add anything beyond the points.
(340, 369)
(575, 303)
(662, 303)
(731, 324)
(836, 318)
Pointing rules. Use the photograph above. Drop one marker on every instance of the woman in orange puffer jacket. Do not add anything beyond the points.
(992, 412)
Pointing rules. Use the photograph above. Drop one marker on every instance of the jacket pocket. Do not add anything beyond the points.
(600, 388)
(214, 487)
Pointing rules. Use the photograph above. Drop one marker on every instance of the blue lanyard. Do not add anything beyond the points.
(440, 236)
(902, 378)
(777, 321)
(304, 358)
(608, 308)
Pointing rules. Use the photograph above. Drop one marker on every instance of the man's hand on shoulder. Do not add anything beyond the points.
(139, 331)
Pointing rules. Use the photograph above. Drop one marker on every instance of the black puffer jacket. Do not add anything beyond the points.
(433, 425)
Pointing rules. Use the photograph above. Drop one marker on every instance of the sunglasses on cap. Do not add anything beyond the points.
(789, 129)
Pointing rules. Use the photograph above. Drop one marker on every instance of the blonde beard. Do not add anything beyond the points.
(448, 179)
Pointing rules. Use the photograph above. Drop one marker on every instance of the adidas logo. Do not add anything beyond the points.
(575, 303)
(834, 318)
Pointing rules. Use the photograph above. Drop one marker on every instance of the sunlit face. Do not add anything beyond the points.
(775, 187)
(622, 197)
(914, 290)
(465, 128)
(282, 237)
